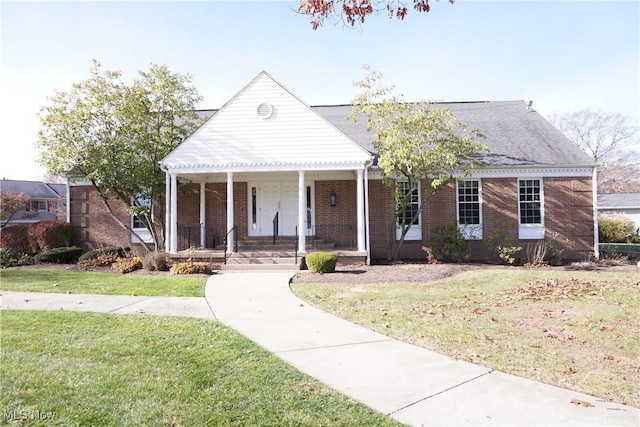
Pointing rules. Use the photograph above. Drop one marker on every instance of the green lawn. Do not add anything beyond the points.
(575, 329)
(86, 282)
(83, 369)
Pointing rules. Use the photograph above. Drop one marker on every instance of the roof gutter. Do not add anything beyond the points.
(596, 232)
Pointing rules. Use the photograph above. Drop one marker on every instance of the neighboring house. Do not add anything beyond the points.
(267, 162)
(47, 201)
(623, 203)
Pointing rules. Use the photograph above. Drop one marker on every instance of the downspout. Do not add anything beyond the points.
(68, 207)
(366, 211)
(596, 232)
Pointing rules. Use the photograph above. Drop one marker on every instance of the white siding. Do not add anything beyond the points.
(294, 135)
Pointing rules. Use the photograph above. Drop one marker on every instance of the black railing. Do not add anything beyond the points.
(344, 236)
(233, 230)
(275, 227)
(189, 237)
(295, 250)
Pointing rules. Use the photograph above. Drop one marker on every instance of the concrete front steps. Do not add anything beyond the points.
(262, 260)
(260, 253)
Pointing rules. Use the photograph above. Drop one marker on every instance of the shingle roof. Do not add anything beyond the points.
(619, 201)
(34, 189)
(515, 134)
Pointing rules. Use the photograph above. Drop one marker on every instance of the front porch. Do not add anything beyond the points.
(249, 212)
(252, 253)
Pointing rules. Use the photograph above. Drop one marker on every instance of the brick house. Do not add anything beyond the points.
(267, 163)
(46, 201)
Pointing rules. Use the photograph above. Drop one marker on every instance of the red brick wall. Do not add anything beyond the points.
(568, 215)
(381, 219)
(94, 227)
(215, 208)
(338, 224)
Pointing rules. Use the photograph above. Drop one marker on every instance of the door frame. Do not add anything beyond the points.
(254, 221)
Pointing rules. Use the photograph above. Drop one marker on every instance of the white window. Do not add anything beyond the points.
(38, 206)
(407, 208)
(469, 208)
(530, 209)
(143, 200)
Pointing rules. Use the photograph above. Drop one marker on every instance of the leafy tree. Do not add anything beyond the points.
(11, 204)
(609, 139)
(114, 134)
(353, 11)
(415, 142)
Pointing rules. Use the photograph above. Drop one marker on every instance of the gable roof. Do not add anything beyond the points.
(266, 127)
(515, 134)
(34, 189)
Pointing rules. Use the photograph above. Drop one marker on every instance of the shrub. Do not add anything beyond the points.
(430, 258)
(51, 234)
(191, 267)
(507, 254)
(621, 250)
(117, 251)
(494, 244)
(321, 262)
(156, 261)
(449, 244)
(8, 258)
(634, 238)
(127, 265)
(554, 255)
(614, 227)
(16, 239)
(103, 260)
(535, 254)
(65, 255)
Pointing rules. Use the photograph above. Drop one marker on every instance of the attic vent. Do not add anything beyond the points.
(265, 110)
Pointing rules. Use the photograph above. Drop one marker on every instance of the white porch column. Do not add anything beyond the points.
(203, 227)
(302, 213)
(230, 221)
(174, 214)
(167, 212)
(366, 214)
(360, 209)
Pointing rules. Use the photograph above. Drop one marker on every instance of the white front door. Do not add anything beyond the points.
(267, 199)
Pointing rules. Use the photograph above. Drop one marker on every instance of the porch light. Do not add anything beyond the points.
(333, 199)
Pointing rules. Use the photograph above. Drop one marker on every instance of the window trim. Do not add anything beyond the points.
(470, 231)
(39, 203)
(415, 231)
(531, 231)
(141, 234)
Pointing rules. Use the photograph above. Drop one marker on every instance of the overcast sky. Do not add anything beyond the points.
(565, 56)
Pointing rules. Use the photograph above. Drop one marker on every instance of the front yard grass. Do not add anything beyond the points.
(89, 282)
(73, 369)
(576, 330)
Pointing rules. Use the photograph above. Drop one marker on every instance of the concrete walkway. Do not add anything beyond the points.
(412, 385)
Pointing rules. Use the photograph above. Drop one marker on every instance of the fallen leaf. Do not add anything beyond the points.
(583, 403)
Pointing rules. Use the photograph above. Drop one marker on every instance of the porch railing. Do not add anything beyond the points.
(275, 227)
(343, 235)
(189, 237)
(295, 250)
(233, 230)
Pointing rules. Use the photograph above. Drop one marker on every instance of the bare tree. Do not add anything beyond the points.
(611, 140)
